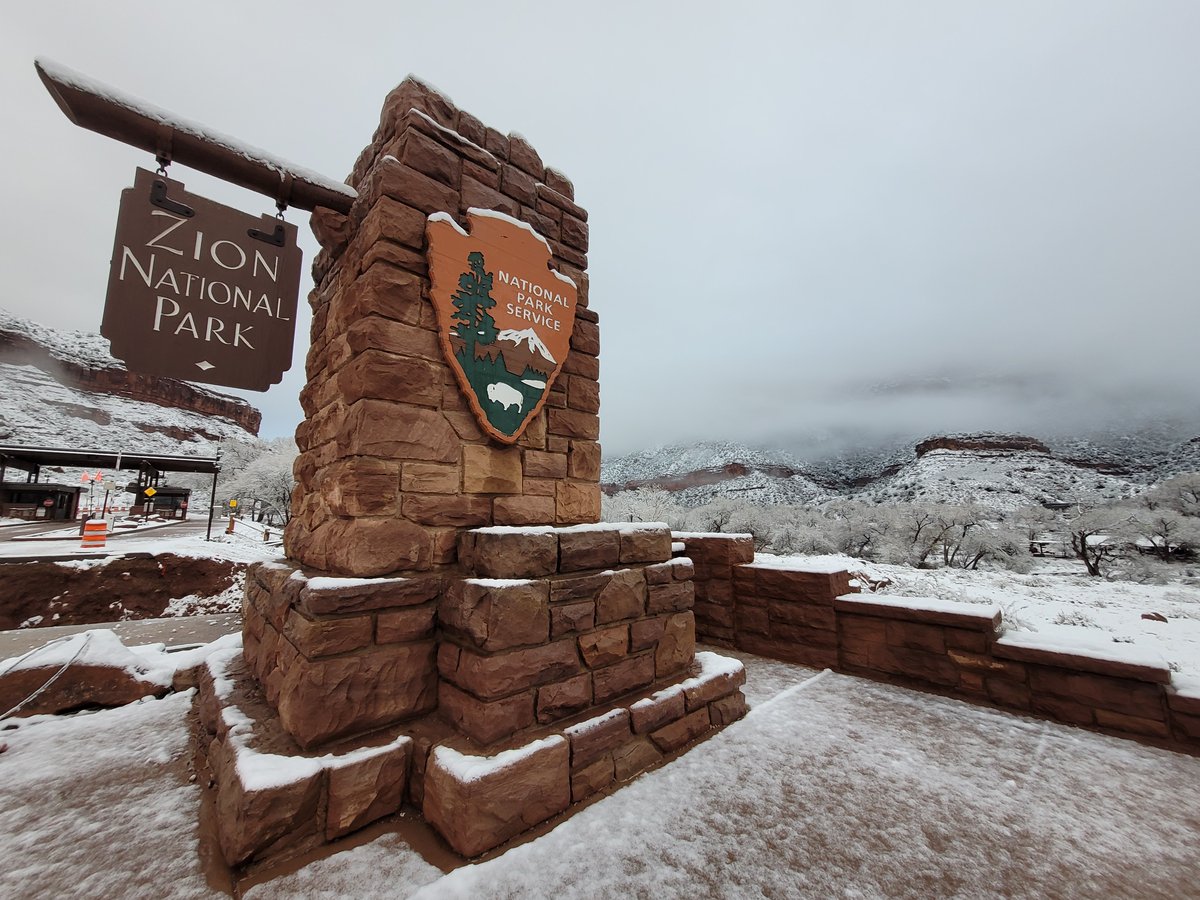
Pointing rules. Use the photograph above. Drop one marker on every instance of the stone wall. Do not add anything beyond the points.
(785, 610)
(392, 463)
(552, 622)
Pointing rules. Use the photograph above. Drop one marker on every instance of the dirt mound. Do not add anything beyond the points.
(46, 593)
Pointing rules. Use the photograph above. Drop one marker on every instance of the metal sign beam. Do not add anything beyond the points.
(123, 117)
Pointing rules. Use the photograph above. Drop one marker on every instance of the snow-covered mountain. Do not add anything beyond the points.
(63, 389)
(997, 470)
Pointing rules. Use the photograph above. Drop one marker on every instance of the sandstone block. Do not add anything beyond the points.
(623, 597)
(374, 374)
(491, 470)
(677, 647)
(622, 677)
(599, 648)
(592, 778)
(505, 795)
(646, 633)
(325, 637)
(361, 486)
(518, 185)
(579, 587)
(583, 460)
(478, 195)
(703, 690)
(491, 554)
(392, 220)
(575, 233)
(447, 509)
(322, 596)
(429, 478)
(367, 547)
(671, 737)
(524, 157)
(404, 625)
(645, 545)
(389, 336)
(391, 178)
(367, 789)
(253, 820)
(482, 721)
(576, 503)
(530, 509)
(657, 710)
(588, 550)
(585, 336)
(495, 676)
(497, 615)
(430, 158)
(592, 739)
(557, 701)
(727, 710)
(344, 695)
(634, 758)
(541, 464)
(573, 423)
(569, 617)
(397, 431)
(673, 597)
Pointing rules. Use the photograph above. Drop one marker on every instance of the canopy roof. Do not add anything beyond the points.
(29, 459)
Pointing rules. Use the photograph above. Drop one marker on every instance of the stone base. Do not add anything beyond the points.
(275, 801)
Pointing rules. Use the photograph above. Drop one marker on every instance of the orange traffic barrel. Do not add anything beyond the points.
(95, 531)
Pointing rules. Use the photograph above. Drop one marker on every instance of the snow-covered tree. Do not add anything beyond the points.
(266, 476)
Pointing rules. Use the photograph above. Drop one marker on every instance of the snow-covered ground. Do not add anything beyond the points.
(1058, 599)
(183, 539)
(832, 786)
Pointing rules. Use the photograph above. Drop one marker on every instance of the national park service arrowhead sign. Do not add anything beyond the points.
(504, 316)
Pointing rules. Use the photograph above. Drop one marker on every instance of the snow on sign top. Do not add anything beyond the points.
(504, 316)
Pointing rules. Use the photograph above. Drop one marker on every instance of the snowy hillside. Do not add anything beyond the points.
(998, 479)
(63, 389)
(681, 459)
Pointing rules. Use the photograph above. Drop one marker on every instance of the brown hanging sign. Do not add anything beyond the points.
(504, 315)
(200, 291)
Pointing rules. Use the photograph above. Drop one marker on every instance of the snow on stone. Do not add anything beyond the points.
(1056, 595)
(492, 583)
(1068, 640)
(665, 693)
(797, 564)
(97, 647)
(925, 604)
(467, 768)
(333, 582)
(712, 666)
(247, 151)
(260, 771)
(594, 723)
(687, 535)
(449, 132)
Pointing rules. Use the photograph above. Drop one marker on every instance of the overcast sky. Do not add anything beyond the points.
(806, 217)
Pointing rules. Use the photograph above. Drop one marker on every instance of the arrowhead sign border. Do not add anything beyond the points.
(500, 306)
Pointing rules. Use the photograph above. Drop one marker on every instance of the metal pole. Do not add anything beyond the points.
(212, 503)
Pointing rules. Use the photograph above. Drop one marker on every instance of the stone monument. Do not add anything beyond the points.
(452, 628)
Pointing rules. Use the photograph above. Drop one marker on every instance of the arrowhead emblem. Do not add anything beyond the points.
(504, 315)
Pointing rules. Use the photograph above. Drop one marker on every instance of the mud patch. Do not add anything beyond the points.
(45, 593)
